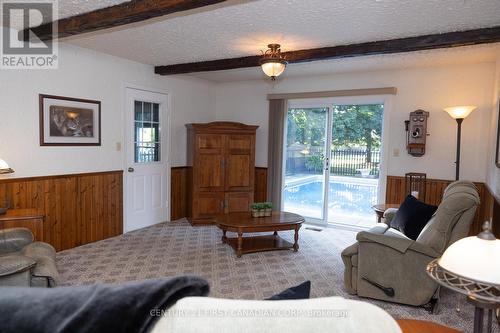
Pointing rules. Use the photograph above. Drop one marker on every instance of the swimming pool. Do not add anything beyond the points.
(349, 200)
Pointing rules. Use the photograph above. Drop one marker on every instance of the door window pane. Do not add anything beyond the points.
(138, 110)
(146, 113)
(156, 112)
(137, 131)
(155, 133)
(147, 134)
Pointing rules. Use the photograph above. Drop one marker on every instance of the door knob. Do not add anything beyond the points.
(131, 169)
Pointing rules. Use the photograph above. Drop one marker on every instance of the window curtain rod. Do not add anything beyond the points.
(335, 93)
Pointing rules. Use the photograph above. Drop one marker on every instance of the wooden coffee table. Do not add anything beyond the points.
(241, 223)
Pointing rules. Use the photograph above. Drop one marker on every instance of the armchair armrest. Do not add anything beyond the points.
(389, 215)
(399, 244)
(15, 264)
(14, 239)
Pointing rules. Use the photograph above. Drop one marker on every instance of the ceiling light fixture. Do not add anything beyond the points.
(273, 63)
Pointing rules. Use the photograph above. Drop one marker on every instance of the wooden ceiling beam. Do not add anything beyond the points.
(400, 45)
(114, 16)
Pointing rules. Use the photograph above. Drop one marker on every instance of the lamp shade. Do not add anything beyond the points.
(4, 167)
(474, 258)
(460, 112)
(273, 68)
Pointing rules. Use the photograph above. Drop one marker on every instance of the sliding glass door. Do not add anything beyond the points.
(306, 148)
(332, 162)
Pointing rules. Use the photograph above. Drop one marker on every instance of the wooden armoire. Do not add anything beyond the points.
(221, 161)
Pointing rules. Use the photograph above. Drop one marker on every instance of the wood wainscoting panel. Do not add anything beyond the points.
(395, 194)
(78, 209)
(434, 188)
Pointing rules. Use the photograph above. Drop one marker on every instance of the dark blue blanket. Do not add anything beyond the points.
(129, 307)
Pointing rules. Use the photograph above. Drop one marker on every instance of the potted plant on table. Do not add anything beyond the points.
(261, 209)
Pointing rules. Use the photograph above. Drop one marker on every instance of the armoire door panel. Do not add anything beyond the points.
(238, 172)
(209, 142)
(240, 159)
(209, 174)
(208, 205)
(209, 165)
(238, 202)
(240, 142)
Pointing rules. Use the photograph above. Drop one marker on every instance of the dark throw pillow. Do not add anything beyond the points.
(412, 216)
(127, 307)
(302, 291)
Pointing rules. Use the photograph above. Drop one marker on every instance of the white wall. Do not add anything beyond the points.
(430, 89)
(87, 74)
(493, 180)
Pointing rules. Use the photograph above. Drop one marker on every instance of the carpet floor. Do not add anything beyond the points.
(177, 248)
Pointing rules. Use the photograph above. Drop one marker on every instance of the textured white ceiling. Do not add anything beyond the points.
(441, 57)
(239, 28)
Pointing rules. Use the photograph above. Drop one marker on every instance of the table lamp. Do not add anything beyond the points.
(4, 167)
(471, 266)
(459, 113)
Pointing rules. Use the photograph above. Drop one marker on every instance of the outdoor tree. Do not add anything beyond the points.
(357, 125)
(306, 126)
(353, 126)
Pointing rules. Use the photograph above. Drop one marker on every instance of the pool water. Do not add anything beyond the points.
(348, 202)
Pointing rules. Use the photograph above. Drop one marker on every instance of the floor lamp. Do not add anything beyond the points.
(459, 113)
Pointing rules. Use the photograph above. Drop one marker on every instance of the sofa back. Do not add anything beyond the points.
(453, 218)
(328, 314)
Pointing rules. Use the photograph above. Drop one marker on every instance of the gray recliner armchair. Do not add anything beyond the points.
(385, 264)
(24, 263)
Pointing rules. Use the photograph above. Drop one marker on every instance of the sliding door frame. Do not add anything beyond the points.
(386, 100)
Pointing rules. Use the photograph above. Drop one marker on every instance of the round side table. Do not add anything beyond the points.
(380, 210)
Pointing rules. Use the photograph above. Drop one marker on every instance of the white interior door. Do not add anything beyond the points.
(147, 159)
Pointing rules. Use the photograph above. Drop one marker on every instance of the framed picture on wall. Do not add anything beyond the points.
(497, 155)
(67, 121)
